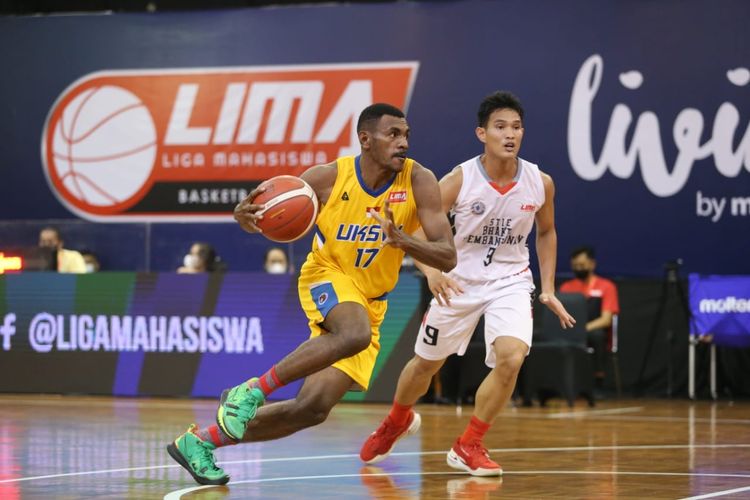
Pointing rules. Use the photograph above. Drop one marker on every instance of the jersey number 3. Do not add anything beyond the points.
(365, 257)
(488, 259)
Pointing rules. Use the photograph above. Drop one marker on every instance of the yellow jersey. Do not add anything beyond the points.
(348, 239)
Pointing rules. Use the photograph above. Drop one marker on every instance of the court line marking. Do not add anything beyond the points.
(699, 420)
(716, 494)
(586, 413)
(394, 454)
(210, 405)
(176, 495)
(594, 414)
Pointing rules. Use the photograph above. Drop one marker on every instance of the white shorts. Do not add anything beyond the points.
(505, 303)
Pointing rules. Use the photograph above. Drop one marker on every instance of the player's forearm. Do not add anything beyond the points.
(546, 249)
(440, 254)
(429, 272)
(604, 321)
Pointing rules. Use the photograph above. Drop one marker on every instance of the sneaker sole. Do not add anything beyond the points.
(411, 430)
(454, 461)
(174, 452)
(220, 416)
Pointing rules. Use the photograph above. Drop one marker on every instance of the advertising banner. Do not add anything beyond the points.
(141, 334)
(643, 125)
(720, 306)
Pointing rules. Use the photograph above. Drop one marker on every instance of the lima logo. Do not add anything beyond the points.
(322, 298)
(152, 145)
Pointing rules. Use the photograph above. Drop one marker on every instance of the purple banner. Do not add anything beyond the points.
(721, 307)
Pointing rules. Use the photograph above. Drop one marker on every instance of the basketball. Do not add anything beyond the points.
(104, 146)
(291, 208)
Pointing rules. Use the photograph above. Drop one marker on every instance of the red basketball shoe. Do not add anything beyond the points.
(473, 458)
(381, 442)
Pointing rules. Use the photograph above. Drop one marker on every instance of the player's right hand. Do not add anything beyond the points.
(245, 212)
(443, 287)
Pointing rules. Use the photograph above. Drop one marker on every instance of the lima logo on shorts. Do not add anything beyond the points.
(322, 298)
(188, 144)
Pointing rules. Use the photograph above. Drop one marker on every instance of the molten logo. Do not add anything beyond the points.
(189, 144)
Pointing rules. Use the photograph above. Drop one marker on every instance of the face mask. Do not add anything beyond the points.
(276, 268)
(582, 274)
(90, 268)
(191, 261)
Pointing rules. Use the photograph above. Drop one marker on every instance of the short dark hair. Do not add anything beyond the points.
(588, 250)
(374, 112)
(208, 255)
(55, 230)
(498, 100)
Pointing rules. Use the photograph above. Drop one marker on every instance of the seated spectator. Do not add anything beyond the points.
(68, 261)
(202, 258)
(601, 295)
(92, 262)
(276, 261)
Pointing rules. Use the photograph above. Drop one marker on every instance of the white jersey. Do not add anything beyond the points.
(493, 223)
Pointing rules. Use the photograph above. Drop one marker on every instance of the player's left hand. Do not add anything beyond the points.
(393, 235)
(442, 287)
(549, 300)
(245, 213)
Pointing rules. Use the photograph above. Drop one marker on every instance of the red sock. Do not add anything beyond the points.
(475, 431)
(400, 413)
(268, 382)
(215, 436)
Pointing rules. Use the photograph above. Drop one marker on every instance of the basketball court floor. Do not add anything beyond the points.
(90, 447)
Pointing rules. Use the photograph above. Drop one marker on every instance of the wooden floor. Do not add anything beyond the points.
(73, 447)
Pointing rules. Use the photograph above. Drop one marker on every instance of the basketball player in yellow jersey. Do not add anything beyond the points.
(371, 205)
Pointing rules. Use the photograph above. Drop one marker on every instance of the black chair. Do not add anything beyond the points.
(612, 346)
(560, 362)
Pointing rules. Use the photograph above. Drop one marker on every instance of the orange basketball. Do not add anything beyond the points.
(291, 208)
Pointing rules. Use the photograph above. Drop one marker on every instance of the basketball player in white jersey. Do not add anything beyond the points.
(495, 199)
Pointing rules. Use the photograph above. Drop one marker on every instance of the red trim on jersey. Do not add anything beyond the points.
(503, 189)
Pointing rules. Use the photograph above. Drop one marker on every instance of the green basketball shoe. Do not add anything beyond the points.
(237, 407)
(197, 457)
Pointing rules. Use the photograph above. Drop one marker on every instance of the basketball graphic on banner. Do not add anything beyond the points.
(104, 146)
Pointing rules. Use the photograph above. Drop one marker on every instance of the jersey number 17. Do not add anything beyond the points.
(365, 256)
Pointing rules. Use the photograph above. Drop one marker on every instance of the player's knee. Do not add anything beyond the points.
(356, 342)
(509, 364)
(425, 367)
(312, 414)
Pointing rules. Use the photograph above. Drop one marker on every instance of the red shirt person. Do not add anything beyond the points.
(599, 325)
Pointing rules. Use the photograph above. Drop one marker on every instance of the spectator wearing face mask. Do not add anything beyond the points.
(601, 296)
(202, 258)
(276, 261)
(68, 261)
(91, 260)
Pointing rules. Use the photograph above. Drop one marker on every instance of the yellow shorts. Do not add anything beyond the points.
(320, 289)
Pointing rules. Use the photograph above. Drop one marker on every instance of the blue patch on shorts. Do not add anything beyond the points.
(324, 297)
